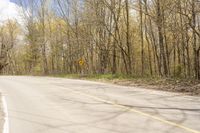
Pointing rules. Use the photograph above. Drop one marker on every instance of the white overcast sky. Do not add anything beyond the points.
(9, 10)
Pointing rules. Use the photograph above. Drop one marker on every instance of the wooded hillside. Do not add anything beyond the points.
(156, 38)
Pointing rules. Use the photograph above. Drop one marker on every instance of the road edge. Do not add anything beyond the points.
(5, 111)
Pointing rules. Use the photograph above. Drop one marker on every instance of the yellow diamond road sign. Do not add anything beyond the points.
(81, 62)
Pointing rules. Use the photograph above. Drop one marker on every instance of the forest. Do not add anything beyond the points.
(141, 38)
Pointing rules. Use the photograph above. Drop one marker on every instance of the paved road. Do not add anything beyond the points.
(55, 105)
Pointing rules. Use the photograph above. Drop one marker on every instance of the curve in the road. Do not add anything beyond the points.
(137, 111)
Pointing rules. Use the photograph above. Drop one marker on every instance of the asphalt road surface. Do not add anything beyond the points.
(56, 105)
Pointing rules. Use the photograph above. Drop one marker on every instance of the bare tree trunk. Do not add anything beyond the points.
(142, 37)
(161, 37)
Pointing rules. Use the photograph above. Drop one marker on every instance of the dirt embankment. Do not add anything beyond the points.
(1, 115)
(181, 86)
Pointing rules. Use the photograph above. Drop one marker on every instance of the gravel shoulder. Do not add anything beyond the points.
(1, 115)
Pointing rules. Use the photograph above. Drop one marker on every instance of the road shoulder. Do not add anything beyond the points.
(184, 86)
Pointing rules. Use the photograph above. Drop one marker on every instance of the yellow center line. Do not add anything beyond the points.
(137, 111)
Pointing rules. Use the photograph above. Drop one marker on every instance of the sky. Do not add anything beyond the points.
(15, 1)
(9, 10)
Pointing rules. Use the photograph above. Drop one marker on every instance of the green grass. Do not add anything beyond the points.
(94, 76)
(121, 77)
(107, 77)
